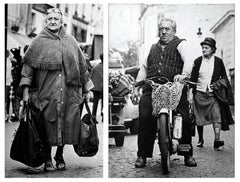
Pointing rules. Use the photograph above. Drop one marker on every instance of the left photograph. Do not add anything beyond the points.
(53, 90)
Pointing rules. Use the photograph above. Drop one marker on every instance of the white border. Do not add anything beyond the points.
(105, 130)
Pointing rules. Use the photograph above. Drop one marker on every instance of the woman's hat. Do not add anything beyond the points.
(53, 10)
(209, 41)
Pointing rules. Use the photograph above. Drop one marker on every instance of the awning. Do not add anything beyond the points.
(16, 40)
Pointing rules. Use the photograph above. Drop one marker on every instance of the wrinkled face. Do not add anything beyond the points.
(207, 50)
(166, 31)
(53, 21)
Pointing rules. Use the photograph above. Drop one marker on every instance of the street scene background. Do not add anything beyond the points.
(132, 31)
(121, 159)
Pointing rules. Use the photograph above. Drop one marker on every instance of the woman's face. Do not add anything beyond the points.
(207, 50)
(53, 21)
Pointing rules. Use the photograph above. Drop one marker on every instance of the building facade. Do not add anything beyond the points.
(80, 20)
(224, 32)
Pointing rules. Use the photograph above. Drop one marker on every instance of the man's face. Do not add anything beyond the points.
(53, 21)
(207, 50)
(165, 31)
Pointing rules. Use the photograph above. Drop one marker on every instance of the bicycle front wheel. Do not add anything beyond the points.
(164, 142)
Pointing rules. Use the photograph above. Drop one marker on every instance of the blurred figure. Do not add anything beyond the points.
(16, 74)
(9, 81)
(212, 95)
(97, 79)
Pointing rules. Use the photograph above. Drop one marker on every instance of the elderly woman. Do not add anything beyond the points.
(212, 95)
(55, 80)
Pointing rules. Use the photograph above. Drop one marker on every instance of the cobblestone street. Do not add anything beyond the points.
(211, 163)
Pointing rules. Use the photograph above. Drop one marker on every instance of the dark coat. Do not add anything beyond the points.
(223, 92)
(55, 95)
(221, 88)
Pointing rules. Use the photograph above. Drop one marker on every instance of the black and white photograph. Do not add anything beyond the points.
(162, 104)
(53, 90)
(171, 90)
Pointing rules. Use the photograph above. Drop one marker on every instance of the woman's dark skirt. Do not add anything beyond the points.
(206, 108)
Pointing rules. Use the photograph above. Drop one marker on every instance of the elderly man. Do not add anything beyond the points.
(169, 57)
(55, 80)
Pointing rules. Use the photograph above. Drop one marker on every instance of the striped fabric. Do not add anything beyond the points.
(165, 62)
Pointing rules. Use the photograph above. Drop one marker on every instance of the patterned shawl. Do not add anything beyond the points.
(56, 52)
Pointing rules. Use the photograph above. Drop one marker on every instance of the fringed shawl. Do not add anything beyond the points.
(56, 52)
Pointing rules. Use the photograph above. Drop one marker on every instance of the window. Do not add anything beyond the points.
(83, 35)
(232, 78)
(66, 9)
(74, 32)
(33, 19)
(76, 10)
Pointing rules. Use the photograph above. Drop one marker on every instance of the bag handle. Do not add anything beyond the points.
(87, 107)
(89, 111)
(28, 118)
(26, 110)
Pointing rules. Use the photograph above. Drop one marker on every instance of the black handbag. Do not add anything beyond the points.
(27, 146)
(88, 139)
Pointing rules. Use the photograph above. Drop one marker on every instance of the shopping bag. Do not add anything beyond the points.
(27, 146)
(88, 140)
(124, 86)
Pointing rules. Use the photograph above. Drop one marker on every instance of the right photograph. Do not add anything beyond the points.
(171, 90)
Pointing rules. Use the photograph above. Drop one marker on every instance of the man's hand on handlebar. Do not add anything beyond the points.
(135, 95)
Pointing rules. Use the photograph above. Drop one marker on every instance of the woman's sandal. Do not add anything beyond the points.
(60, 163)
(48, 166)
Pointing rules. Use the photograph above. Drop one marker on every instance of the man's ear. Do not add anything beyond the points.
(45, 21)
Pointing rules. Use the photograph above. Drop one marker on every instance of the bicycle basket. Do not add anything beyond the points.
(166, 96)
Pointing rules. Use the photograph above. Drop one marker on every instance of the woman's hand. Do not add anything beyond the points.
(180, 78)
(86, 96)
(22, 110)
(26, 94)
(23, 103)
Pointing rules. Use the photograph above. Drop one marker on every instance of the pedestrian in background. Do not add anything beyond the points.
(16, 73)
(213, 94)
(8, 84)
(97, 79)
(55, 80)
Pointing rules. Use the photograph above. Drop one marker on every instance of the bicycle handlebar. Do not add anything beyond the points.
(150, 80)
